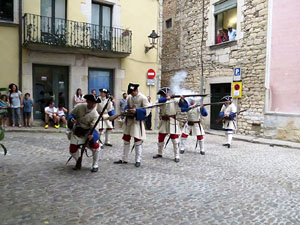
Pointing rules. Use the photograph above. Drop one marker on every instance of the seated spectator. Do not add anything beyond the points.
(27, 102)
(50, 114)
(61, 115)
(4, 110)
(231, 33)
(222, 37)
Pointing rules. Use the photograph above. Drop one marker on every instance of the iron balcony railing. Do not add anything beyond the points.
(67, 33)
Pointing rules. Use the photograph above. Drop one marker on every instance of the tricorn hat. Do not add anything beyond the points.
(132, 87)
(104, 90)
(226, 98)
(92, 98)
(163, 91)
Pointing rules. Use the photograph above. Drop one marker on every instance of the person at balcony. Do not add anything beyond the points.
(228, 114)
(15, 102)
(231, 33)
(78, 97)
(193, 126)
(168, 123)
(105, 125)
(51, 115)
(28, 104)
(133, 125)
(222, 37)
(81, 121)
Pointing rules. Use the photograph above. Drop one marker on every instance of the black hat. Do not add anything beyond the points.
(132, 87)
(226, 98)
(104, 90)
(163, 91)
(92, 98)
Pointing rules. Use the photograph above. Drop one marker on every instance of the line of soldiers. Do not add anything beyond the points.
(84, 116)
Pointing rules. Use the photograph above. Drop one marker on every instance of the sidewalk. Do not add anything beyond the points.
(271, 142)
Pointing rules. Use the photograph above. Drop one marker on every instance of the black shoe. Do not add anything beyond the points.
(120, 162)
(157, 156)
(202, 153)
(94, 170)
(181, 151)
(107, 144)
(75, 168)
(226, 145)
(176, 160)
(137, 164)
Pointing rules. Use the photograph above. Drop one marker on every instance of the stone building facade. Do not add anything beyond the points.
(186, 24)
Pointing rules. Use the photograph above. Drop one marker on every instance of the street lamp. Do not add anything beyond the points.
(152, 40)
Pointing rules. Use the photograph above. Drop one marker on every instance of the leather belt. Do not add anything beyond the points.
(168, 117)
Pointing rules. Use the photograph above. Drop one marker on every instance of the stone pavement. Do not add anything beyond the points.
(247, 184)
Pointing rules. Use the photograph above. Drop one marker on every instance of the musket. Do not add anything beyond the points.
(190, 95)
(79, 160)
(111, 118)
(212, 103)
(225, 118)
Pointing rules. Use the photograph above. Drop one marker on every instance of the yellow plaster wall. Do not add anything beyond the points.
(9, 56)
(141, 17)
(32, 6)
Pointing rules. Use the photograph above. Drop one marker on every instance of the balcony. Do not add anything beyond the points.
(49, 34)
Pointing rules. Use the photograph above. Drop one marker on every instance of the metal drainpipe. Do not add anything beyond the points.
(20, 45)
(201, 52)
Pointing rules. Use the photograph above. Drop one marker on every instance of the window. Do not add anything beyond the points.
(101, 26)
(225, 21)
(168, 23)
(7, 10)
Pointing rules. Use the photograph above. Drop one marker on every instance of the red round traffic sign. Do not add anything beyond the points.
(237, 87)
(151, 74)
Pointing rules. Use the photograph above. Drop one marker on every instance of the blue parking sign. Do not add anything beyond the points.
(237, 74)
(237, 71)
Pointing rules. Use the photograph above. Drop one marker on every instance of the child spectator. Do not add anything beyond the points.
(61, 115)
(27, 102)
(4, 110)
(50, 114)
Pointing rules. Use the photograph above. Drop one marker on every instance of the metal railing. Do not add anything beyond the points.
(61, 32)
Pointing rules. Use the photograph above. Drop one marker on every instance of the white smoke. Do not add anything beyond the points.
(175, 85)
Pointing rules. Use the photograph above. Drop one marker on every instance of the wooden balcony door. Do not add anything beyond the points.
(53, 21)
(101, 31)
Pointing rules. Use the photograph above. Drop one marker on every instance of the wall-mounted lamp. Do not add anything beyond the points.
(152, 40)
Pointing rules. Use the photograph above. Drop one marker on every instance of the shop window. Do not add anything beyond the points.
(7, 10)
(225, 21)
(168, 23)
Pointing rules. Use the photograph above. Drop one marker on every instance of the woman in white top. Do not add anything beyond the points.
(78, 98)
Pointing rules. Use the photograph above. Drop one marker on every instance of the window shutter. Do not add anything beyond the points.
(229, 4)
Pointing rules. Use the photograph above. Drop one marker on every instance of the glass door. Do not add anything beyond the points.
(50, 83)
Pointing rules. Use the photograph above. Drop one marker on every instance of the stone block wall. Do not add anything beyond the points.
(182, 49)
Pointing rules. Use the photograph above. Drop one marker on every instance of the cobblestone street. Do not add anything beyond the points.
(247, 184)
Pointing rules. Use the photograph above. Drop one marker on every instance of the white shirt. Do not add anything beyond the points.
(232, 35)
(51, 111)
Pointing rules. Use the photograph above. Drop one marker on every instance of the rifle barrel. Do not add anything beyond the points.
(191, 95)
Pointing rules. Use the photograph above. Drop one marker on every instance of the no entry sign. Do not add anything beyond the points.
(150, 74)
